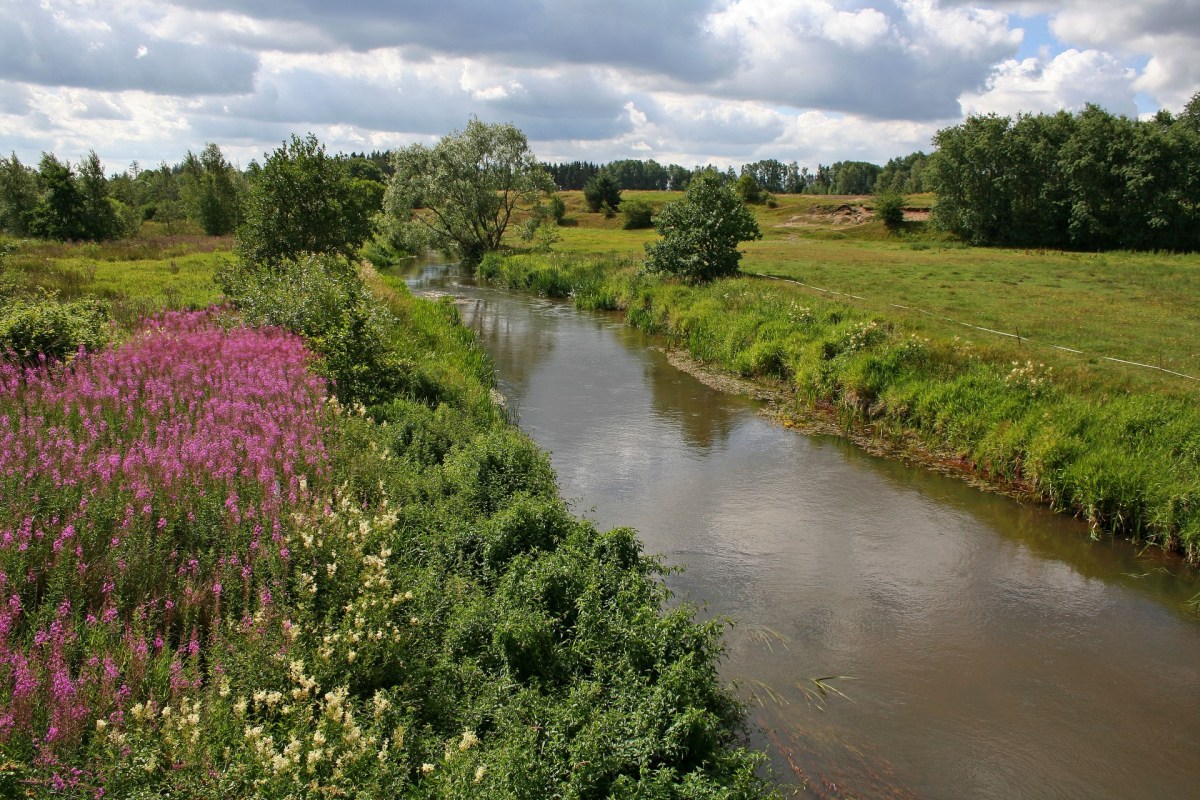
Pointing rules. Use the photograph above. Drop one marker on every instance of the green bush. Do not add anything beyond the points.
(30, 328)
(889, 207)
(322, 298)
(638, 214)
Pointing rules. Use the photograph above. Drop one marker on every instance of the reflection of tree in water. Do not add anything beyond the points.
(518, 338)
(703, 416)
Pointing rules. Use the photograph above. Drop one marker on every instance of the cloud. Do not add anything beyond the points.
(382, 91)
(1068, 81)
(666, 38)
(64, 43)
(911, 63)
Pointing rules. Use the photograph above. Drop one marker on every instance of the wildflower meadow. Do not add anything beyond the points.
(143, 493)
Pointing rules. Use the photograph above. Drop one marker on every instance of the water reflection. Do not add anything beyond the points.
(995, 650)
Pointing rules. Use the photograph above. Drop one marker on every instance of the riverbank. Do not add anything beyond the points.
(1126, 461)
(276, 592)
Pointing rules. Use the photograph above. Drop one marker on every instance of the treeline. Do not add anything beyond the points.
(905, 175)
(71, 202)
(1085, 181)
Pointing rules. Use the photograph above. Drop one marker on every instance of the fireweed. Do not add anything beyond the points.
(144, 495)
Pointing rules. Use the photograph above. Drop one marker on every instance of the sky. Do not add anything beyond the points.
(680, 81)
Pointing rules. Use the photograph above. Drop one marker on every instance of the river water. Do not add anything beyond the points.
(983, 648)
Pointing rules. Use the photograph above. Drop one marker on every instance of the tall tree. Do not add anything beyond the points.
(302, 200)
(209, 190)
(59, 212)
(463, 192)
(18, 196)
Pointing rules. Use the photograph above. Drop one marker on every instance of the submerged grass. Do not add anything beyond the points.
(1128, 462)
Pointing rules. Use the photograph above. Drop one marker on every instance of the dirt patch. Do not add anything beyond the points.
(843, 214)
(916, 215)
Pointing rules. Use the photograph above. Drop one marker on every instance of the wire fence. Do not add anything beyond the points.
(1021, 339)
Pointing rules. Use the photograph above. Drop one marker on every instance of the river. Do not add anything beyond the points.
(982, 647)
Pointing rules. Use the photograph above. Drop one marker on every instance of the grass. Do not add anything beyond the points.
(1141, 307)
(136, 277)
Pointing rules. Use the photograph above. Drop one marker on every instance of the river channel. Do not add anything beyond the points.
(985, 648)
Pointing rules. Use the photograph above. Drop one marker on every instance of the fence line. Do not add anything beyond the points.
(1016, 336)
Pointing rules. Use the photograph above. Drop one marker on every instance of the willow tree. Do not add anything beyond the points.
(462, 193)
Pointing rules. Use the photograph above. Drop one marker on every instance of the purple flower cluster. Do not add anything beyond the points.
(143, 495)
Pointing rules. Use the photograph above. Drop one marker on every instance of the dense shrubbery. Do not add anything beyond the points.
(35, 325)
(637, 214)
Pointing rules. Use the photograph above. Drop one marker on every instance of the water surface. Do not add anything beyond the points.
(991, 649)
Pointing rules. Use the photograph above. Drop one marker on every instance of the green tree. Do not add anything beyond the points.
(748, 188)
(59, 212)
(463, 192)
(18, 196)
(302, 200)
(700, 232)
(209, 190)
(602, 192)
(162, 197)
(102, 215)
(638, 213)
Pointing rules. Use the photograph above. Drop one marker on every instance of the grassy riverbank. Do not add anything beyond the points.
(220, 582)
(1123, 453)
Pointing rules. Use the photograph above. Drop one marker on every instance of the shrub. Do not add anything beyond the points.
(889, 207)
(638, 214)
(323, 298)
(50, 328)
(602, 192)
(701, 232)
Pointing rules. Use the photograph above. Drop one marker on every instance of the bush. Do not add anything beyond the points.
(602, 192)
(638, 214)
(322, 298)
(889, 207)
(701, 232)
(29, 328)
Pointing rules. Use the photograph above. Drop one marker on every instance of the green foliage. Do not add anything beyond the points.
(322, 297)
(1089, 181)
(209, 190)
(302, 200)
(558, 208)
(463, 192)
(637, 213)
(33, 327)
(889, 208)
(18, 196)
(602, 193)
(748, 188)
(700, 233)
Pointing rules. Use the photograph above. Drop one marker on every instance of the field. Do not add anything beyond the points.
(1132, 306)
(134, 276)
